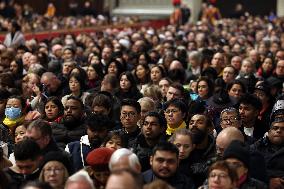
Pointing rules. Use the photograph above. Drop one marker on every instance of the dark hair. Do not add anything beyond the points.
(80, 79)
(112, 79)
(179, 103)
(77, 99)
(223, 165)
(99, 70)
(133, 87)
(209, 83)
(98, 122)
(57, 102)
(236, 82)
(179, 87)
(20, 65)
(165, 146)
(162, 120)
(16, 25)
(102, 100)
(131, 102)
(250, 99)
(115, 134)
(163, 72)
(27, 149)
(118, 65)
(4, 94)
(147, 76)
(41, 125)
(21, 99)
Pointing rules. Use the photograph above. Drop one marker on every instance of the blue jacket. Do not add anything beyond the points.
(79, 151)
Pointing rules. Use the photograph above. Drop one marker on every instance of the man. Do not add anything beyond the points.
(249, 109)
(122, 179)
(129, 116)
(236, 62)
(218, 61)
(28, 156)
(153, 131)
(81, 180)
(229, 74)
(175, 90)
(175, 111)
(164, 165)
(279, 70)
(72, 126)
(97, 129)
(237, 155)
(41, 132)
(52, 85)
(201, 128)
(230, 117)
(124, 159)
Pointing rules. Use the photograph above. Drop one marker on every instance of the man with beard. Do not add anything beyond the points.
(164, 165)
(72, 126)
(153, 131)
(97, 129)
(201, 128)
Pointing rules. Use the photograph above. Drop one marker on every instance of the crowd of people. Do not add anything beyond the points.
(183, 106)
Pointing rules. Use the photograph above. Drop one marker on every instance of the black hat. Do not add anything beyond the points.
(239, 150)
(61, 157)
(263, 86)
(274, 82)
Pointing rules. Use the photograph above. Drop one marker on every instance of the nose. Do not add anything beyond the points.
(181, 149)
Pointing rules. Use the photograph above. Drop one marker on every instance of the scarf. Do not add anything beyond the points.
(171, 131)
(12, 123)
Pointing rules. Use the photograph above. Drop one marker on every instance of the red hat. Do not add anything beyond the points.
(176, 2)
(99, 158)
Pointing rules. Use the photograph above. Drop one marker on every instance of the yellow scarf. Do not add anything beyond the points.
(12, 123)
(171, 131)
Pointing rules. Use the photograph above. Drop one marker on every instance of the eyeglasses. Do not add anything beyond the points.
(219, 176)
(56, 171)
(129, 114)
(174, 111)
(229, 120)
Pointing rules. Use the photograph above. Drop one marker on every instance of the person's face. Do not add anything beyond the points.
(67, 68)
(53, 173)
(114, 143)
(51, 110)
(142, 59)
(91, 73)
(164, 86)
(247, 67)
(247, 112)
(173, 93)
(74, 85)
(20, 133)
(13, 102)
(217, 61)
(197, 122)
(121, 181)
(276, 133)
(145, 108)
(202, 89)
(67, 54)
(229, 119)
(129, 116)
(37, 136)
(279, 56)
(220, 179)
(141, 72)
(228, 74)
(27, 167)
(96, 135)
(14, 67)
(164, 164)
(280, 68)
(101, 110)
(106, 53)
(124, 83)
(112, 69)
(238, 166)
(236, 91)
(101, 176)
(155, 74)
(236, 62)
(174, 116)
(261, 96)
(72, 110)
(106, 86)
(267, 65)
(184, 145)
(151, 128)
(50, 84)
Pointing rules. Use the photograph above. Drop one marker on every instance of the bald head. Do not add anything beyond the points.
(225, 137)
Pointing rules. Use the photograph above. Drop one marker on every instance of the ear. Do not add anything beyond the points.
(151, 160)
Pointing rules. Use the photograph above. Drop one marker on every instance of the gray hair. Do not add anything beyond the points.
(81, 175)
(230, 110)
(124, 152)
(196, 55)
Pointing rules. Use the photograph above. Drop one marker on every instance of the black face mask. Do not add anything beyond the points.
(198, 135)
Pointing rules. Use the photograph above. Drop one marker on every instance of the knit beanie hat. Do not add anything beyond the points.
(238, 150)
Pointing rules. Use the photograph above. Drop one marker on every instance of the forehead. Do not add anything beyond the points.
(228, 69)
(280, 124)
(175, 90)
(172, 106)
(247, 106)
(151, 119)
(165, 154)
(128, 108)
(53, 163)
(198, 117)
(72, 102)
(230, 113)
(14, 101)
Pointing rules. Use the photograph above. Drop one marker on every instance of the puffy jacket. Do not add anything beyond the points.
(79, 151)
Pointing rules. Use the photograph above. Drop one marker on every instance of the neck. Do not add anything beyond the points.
(152, 142)
(175, 126)
(130, 129)
(249, 124)
(76, 93)
(203, 144)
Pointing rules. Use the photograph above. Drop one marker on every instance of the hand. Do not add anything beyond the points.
(32, 115)
(276, 183)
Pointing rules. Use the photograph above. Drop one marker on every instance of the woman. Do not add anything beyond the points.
(114, 67)
(221, 175)
(56, 168)
(114, 141)
(236, 89)
(156, 74)
(53, 110)
(95, 75)
(205, 88)
(127, 87)
(266, 68)
(77, 87)
(183, 141)
(16, 67)
(142, 75)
